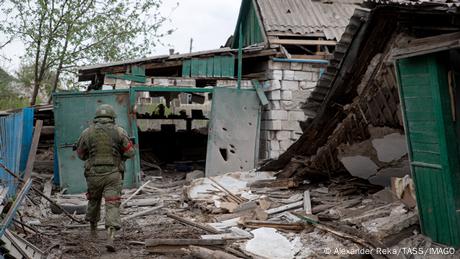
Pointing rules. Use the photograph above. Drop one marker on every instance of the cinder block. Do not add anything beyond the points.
(278, 65)
(189, 82)
(273, 85)
(273, 154)
(285, 144)
(274, 145)
(164, 82)
(289, 85)
(296, 116)
(277, 115)
(314, 77)
(307, 85)
(288, 75)
(290, 125)
(288, 105)
(295, 135)
(275, 74)
(274, 95)
(275, 105)
(283, 135)
(296, 66)
(302, 75)
(226, 83)
(286, 95)
(309, 68)
(272, 125)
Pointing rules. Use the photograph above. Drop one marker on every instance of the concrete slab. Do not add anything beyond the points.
(391, 147)
(359, 166)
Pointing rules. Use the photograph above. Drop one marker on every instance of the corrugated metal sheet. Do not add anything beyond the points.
(306, 17)
(15, 140)
(447, 3)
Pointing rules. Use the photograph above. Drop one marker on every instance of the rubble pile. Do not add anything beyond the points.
(236, 215)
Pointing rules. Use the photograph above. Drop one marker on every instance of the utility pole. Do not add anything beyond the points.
(191, 45)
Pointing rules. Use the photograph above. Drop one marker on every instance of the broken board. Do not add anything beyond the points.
(233, 139)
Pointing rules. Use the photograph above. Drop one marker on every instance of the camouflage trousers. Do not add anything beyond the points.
(108, 186)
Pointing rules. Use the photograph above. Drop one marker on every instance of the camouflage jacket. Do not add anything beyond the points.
(104, 147)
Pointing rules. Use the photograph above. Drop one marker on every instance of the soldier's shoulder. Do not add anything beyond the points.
(121, 131)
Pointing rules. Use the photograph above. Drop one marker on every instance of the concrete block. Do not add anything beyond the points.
(226, 83)
(296, 66)
(295, 135)
(189, 82)
(286, 95)
(275, 105)
(272, 125)
(314, 77)
(283, 135)
(290, 125)
(273, 85)
(277, 115)
(290, 85)
(278, 65)
(273, 154)
(390, 147)
(310, 68)
(288, 75)
(274, 145)
(307, 85)
(164, 82)
(302, 75)
(359, 166)
(285, 144)
(275, 75)
(296, 116)
(288, 105)
(274, 95)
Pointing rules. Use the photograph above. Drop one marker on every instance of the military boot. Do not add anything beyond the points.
(110, 238)
(93, 229)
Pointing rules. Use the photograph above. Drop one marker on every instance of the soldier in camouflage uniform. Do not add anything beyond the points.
(104, 147)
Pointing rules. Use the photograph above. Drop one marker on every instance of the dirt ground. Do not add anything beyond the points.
(59, 237)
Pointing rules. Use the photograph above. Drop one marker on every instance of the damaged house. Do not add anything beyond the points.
(386, 106)
(283, 53)
(343, 106)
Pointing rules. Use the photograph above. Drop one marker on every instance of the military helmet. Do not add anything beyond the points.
(105, 111)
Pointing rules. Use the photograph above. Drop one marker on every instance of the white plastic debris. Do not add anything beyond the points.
(268, 243)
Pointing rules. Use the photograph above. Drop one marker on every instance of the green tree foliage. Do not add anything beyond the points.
(8, 98)
(60, 35)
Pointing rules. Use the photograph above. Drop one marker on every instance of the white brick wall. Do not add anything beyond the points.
(289, 86)
(277, 115)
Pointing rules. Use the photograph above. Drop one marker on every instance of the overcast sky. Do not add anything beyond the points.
(208, 22)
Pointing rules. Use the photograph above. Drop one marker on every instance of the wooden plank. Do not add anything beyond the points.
(271, 224)
(428, 45)
(303, 42)
(135, 193)
(217, 66)
(205, 253)
(33, 150)
(186, 68)
(291, 206)
(193, 224)
(228, 66)
(307, 202)
(210, 67)
(181, 242)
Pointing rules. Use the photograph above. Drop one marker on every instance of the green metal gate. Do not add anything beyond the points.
(73, 112)
(430, 132)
